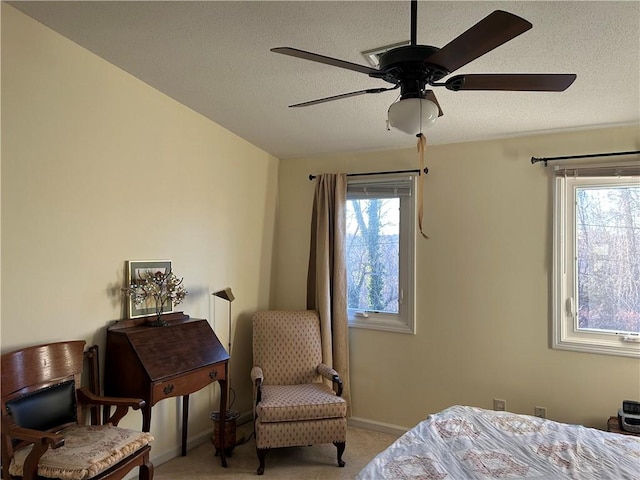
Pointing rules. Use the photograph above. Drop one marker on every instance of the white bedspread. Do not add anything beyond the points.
(472, 443)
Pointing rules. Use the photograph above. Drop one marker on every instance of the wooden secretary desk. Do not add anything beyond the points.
(154, 363)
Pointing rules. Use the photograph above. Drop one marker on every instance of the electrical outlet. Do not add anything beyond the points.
(499, 405)
(540, 412)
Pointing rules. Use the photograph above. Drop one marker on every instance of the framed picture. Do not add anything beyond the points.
(134, 269)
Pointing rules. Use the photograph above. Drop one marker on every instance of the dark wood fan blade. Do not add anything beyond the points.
(495, 29)
(314, 57)
(530, 82)
(344, 95)
(431, 96)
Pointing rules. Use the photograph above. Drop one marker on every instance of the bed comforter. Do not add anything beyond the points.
(472, 443)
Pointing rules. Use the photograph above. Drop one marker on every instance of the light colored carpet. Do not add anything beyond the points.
(314, 462)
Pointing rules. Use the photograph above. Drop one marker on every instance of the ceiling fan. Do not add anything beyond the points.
(412, 68)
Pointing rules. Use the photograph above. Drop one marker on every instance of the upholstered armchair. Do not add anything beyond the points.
(294, 405)
(43, 433)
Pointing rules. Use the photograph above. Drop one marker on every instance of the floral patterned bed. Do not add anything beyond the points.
(472, 443)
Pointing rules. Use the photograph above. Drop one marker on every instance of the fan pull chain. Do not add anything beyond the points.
(422, 143)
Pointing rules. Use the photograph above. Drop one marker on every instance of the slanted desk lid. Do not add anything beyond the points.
(182, 346)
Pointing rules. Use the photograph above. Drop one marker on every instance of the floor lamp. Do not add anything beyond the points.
(230, 415)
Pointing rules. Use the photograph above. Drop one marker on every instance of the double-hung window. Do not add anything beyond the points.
(596, 278)
(380, 231)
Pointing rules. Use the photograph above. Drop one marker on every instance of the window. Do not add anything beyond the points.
(596, 304)
(380, 254)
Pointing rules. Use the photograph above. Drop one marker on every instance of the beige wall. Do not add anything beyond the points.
(482, 286)
(99, 168)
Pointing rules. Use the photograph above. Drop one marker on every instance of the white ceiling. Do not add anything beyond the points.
(214, 57)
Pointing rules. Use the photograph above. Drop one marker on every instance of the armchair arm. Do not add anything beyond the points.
(122, 405)
(330, 374)
(41, 441)
(257, 376)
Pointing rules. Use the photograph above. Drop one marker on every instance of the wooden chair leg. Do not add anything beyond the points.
(146, 470)
(340, 446)
(262, 452)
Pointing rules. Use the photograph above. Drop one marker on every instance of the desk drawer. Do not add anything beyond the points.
(187, 383)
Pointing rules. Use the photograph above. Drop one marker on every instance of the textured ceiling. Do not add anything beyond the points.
(214, 57)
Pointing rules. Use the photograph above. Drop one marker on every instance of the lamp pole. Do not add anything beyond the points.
(227, 295)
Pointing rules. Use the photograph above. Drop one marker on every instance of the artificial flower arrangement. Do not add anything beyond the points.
(158, 287)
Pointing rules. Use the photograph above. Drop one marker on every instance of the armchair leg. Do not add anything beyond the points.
(340, 446)
(262, 452)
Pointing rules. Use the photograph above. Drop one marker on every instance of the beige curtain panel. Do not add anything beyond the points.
(327, 274)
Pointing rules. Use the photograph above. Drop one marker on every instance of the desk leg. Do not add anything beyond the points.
(185, 423)
(223, 414)
(146, 418)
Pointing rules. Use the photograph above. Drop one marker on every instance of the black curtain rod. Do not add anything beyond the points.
(426, 170)
(592, 155)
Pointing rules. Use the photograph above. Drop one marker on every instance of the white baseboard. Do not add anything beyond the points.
(247, 417)
(192, 442)
(174, 452)
(376, 426)
(177, 451)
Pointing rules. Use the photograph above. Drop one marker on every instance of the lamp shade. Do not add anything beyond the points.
(225, 294)
(411, 115)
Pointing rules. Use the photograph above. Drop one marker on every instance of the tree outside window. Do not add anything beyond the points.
(608, 258)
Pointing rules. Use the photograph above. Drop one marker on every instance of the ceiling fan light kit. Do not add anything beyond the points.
(412, 115)
(414, 68)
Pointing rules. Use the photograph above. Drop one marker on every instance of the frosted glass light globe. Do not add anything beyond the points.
(410, 115)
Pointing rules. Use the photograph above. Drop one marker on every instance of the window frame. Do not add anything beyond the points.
(565, 334)
(404, 320)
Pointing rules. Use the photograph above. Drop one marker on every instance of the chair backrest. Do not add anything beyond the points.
(39, 384)
(287, 346)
